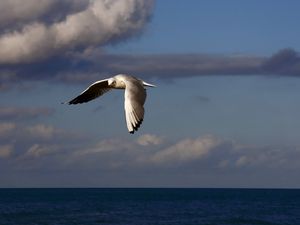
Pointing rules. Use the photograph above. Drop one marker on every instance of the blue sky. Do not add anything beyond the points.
(231, 27)
(224, 113)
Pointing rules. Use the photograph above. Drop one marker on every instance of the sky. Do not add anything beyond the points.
(224, 114)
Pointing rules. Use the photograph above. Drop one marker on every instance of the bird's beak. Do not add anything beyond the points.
(148, 85)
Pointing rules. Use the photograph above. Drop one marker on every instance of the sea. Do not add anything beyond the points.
(149, 206)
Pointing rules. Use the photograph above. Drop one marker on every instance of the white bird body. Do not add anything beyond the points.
(135, 96)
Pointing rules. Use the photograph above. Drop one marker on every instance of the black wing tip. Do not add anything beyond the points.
(135, 128)
(75, 102)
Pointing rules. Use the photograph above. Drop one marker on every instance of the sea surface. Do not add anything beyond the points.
(160, 206)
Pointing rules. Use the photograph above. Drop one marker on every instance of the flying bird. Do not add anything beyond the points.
(135, 96)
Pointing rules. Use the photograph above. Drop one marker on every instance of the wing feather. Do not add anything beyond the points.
(93, 91)
(135, 96)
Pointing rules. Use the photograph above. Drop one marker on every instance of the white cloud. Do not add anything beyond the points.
(259, 157)
(106, 145)
(132, 152)
(149, 139)
(6, 150)
(187, 150)
(102, 22)
(37, 151)
(203, 152)
(42, 131)
(121, 146)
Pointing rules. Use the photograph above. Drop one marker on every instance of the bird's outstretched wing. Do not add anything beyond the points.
(135, 96)
(93, 91)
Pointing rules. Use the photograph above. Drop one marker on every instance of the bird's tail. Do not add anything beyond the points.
(148, 85)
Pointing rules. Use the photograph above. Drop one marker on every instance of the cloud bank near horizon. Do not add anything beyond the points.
(285, 62)
(188, 158)
(89, 66)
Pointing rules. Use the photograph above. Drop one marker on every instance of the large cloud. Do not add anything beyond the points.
(99, 23)
(14, 14)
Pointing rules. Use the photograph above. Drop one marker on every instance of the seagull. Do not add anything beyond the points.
(135, 96)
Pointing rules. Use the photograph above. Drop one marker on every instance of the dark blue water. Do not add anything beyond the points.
(149, 206)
